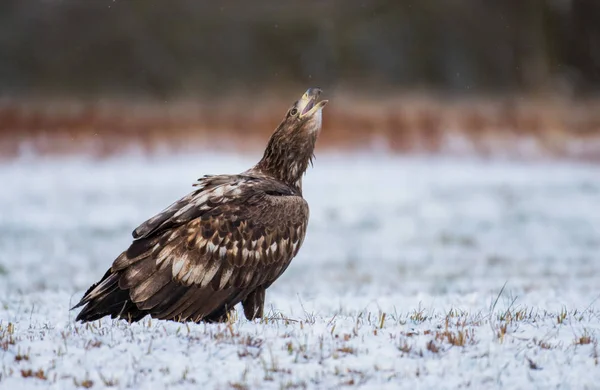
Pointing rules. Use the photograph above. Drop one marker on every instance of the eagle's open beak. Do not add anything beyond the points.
(309, 103)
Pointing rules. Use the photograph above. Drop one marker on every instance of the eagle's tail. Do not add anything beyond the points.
(106, 298)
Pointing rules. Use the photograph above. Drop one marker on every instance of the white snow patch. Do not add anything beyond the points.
(427, 243)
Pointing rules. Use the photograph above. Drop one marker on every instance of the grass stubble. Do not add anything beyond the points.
(344, 348)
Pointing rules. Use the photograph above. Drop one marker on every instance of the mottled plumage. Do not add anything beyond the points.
(224, 243)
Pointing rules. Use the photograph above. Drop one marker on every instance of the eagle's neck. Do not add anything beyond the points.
(287, 156)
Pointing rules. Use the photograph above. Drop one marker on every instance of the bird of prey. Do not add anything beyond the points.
(224, 243)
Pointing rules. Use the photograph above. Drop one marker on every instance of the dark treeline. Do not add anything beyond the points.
(160, 48)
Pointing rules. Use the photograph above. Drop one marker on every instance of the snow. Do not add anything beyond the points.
(415, 273)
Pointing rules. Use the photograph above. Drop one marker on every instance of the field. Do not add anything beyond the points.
(415, 273)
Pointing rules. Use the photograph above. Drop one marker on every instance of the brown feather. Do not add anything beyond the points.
(204, 301)
(150, 286)
(171, 311)
(170, 292)
(222, 301)
(137, 273)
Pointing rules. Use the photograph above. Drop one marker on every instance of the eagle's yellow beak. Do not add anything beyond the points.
(309, 103)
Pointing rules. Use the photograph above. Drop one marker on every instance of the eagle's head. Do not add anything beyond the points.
(305, 114)
(291, 146)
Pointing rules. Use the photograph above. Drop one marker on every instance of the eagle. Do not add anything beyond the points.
(224, 243)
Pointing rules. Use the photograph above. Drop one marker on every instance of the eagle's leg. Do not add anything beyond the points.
(254, 303)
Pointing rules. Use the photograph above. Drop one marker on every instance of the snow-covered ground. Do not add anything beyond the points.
(399, 283)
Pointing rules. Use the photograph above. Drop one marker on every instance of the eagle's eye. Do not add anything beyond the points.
(293, 112)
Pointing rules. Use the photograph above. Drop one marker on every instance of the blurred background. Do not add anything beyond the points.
(517, 78)
(459, 150)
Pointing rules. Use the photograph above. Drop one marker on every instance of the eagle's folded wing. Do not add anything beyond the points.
(205, 253)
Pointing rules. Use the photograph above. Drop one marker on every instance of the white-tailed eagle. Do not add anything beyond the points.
(224, 243)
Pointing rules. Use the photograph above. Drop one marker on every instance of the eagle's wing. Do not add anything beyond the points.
(221, 244)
